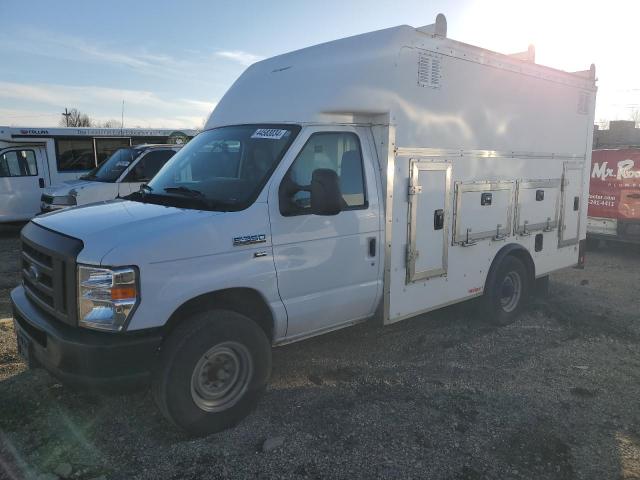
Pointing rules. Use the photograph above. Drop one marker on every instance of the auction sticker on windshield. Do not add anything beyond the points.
(270, 133)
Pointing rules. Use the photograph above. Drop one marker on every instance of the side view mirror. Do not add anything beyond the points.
(326, 198)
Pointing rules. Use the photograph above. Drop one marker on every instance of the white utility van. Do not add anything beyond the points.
(397, 170)
(32, 159)
(120, 175)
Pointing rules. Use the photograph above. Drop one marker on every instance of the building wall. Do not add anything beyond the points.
(621, 133)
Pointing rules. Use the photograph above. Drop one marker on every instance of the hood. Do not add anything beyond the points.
(64, 187)
(123, 232)
(105, 226)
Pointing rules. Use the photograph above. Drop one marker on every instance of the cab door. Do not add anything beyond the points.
(328, 267)
(23, 176)
(143, 169)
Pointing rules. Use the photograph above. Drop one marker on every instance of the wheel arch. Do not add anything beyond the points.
(245, 301)
(517, 251)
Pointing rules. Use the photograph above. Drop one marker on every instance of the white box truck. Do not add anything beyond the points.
(398, 170)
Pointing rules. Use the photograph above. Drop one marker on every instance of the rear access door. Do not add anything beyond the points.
(571, 208)
(23, 175)
(428, 226)
(418, 233)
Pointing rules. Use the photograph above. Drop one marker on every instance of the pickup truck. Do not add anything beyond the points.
(118, 176)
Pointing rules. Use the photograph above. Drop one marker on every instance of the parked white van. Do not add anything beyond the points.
(32, 159)
(120, 175)
(397, 170)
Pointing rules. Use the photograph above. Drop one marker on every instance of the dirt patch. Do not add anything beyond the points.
(444, 395)
(9, 268)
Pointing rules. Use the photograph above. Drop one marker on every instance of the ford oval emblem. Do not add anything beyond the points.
(34, 273)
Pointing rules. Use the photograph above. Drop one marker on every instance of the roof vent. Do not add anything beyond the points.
(438, 29)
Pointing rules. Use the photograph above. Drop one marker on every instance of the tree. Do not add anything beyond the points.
(111, 124)
(635, 116)
(75, 118)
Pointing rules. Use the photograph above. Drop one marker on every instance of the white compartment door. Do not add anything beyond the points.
(428, 220)
(482, 211)
(572, 180)
(537, 206)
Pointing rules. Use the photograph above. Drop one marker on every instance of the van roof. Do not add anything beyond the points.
(369, 74)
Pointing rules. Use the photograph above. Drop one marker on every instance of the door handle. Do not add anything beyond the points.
(438, 219)
(41, 182)
(372, 247)
(576, 204)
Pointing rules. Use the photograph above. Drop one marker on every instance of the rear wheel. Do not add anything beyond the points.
(212, 371)
(507, 291)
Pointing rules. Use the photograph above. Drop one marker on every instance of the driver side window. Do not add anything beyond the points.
(148, 166)
(337, 151)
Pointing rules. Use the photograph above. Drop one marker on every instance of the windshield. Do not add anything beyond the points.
(112, 168)
(220, 169)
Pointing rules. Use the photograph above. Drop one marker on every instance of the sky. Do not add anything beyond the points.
(172, 61)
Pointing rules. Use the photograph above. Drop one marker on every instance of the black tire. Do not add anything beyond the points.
(176, 388)
(500, 304)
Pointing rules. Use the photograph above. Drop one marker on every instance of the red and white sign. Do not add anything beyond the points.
(614, 190)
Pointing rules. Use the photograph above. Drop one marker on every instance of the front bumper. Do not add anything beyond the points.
(82, 357)
(48, 207)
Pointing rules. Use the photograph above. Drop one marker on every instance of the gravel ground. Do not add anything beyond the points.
(556, 395)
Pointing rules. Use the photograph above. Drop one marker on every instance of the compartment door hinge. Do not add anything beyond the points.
(412, 255)
(415, 189)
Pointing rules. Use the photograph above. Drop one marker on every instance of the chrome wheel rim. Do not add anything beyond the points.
(510, 292)
(221, 376)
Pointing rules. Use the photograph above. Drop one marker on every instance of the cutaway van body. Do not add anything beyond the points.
(398, 171)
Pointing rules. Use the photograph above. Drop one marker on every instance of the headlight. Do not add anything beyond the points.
(64, 200)
(106, 297)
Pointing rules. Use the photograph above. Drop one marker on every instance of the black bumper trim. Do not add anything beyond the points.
(82, 357)
(614, 238)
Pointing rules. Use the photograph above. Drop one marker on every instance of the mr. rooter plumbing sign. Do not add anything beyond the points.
(615, 184)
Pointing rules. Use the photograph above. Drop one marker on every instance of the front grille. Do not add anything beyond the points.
(48, 271)
(35, 333)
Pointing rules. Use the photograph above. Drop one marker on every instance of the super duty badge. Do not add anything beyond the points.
(249, 240)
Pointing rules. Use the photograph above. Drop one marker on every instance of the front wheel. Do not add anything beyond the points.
(212, 371)
(507, 291)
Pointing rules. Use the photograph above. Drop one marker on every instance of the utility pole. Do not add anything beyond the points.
(122, 118)
(66, 114)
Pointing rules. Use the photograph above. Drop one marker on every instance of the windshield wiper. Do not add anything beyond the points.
(202, 198)
(185, 191)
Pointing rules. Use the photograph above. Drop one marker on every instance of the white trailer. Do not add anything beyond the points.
(32, 159)
(396, 169)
